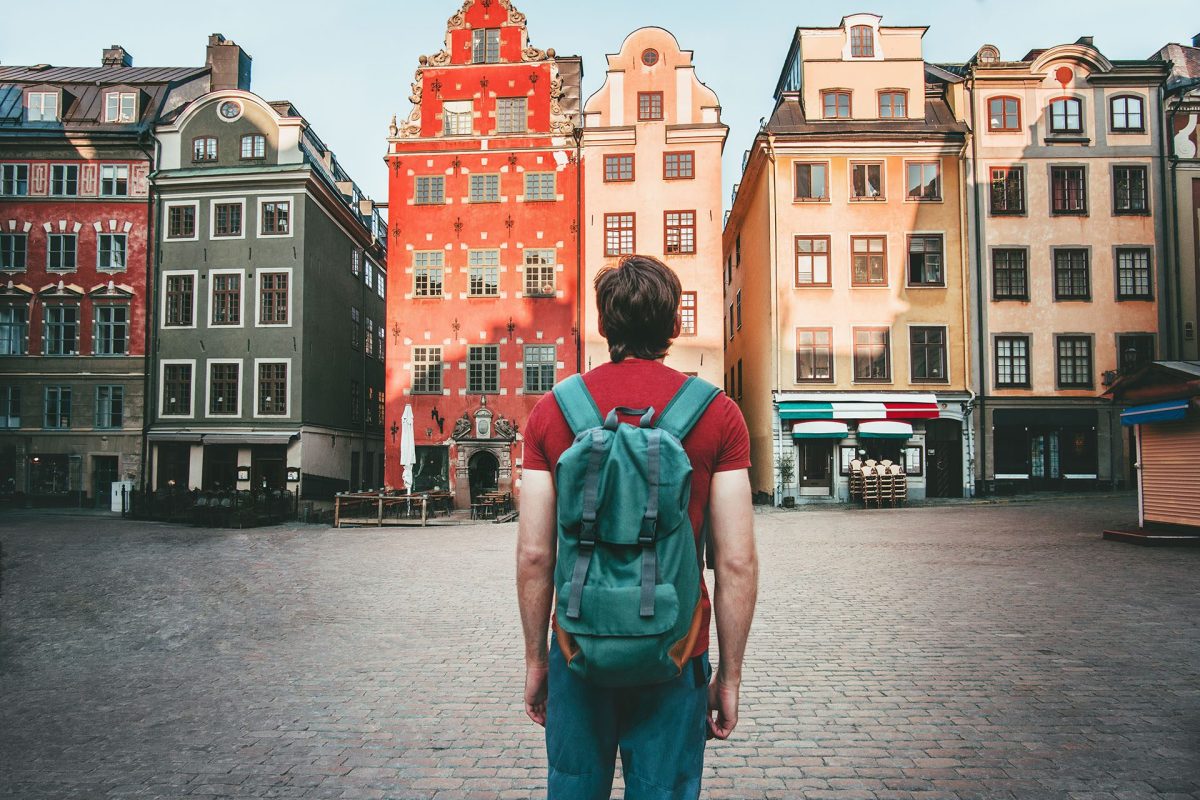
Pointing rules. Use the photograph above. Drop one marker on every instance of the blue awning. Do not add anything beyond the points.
(1170, 411)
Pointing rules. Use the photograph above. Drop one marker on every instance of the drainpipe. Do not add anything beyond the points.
(979, 294)
(1174, 264)
(773, 314)
(150, 343)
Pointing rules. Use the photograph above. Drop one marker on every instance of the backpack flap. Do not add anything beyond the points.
(616, 611)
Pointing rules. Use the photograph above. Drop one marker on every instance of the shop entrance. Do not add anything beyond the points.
(814, 467)
(104, 473)
(484, 472)
(267, 467)
(943, 452)
(174, 462)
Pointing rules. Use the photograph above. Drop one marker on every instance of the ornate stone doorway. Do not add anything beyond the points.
(483, 457)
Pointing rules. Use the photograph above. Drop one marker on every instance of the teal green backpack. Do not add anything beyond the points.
(628, 575)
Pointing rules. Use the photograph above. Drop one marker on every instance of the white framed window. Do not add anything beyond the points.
(483, 273)
(274, 297)
(381, 284)
(120, 107)
(14, 251)
(540, 272)
(539, 368)
(427, 273)
(275, 216)
(110, 329)
(41, 107)
(181, 221)
(110, 406)
(64, 180)
(430, 190)
(254, 145)
(458, 118)
(272, 390)
(226, 298)
(511, 115)
(179, 298)
(540, 186)
(14, 180)
(368, 272)
(227, 218)
(355, 261)
(111, 252)
(114, 180)
(485, 45)
(485, 188)
(223, 387)
(177, 388)
(60, 330)
(483, 369)
(427, 370)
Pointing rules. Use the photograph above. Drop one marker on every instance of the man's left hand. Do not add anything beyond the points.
(536, 681)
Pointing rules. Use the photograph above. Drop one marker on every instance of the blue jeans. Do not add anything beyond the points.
(660, 730)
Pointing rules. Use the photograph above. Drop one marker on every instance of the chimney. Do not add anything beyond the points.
(1196, 40)
(229, 64)
(1086, 41)
(116, 56)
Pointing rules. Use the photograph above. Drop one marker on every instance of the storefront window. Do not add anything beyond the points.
(51, 474)
(432, 470)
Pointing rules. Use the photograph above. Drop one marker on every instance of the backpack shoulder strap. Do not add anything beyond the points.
(577, 404)
(686, 407)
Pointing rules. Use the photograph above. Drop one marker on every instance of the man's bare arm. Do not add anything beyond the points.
(735, 589)
(536, 545)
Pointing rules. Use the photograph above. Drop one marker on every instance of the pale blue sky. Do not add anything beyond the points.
(347, 66)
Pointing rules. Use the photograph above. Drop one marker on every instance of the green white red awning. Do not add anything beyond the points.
(820, 429)
(885, 429)
(885, 407)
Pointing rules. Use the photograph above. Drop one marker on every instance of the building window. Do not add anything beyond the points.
(204, 148)
(677, 165)
(110, 251)
(1066, 115)
(254, 145)
(14, 329)
(179, 299)
(1134, 351)
(511, 115)
(539, 368)
(483, 273)
(56, 410)
(1008, 190)
(1068, 188)
(835, 105)
(223, 380)
(228, 219)
(368, 273)
(687, 314)
(1010, 274)
(1074, 362)
(60, 252)
(814, 354)
(177, 390)
(427, 370)
(273, 388)
(539, 273)
(869, 260)
(120, 107)
(925, 261)
(431, 189)
(41, 107)
(1125, 114)
(276, 217)
(1133, 274)
(61, 331)
(369, 338)
(866, 181)
(226, 298)
(355, 261)
(485, 188)
(114, 180)
(871, 354)
(10, 406)
(483, 369)
(110, 334)
(649, 56)
(540, 186)
(893, 105)
(458, 117)
(1004, 114)
(811, 182)
(650, 106)
(1129, 190)
(14, 249)
(380, 344)
(14, 180)
(924, 180)
(862, 42)
(64, 180)
(273, 298)
(485, 45)
(812, 261)
(738, 304)
(427, 273)
(927, 353)
(680, 232)
(618, 168)
(1012, 361)
(110, 406)
(1072, 279)
(355, 402)
(181, 222)
(618, 234)
(732, 329)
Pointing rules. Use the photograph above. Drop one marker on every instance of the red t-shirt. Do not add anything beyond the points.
(718, 443)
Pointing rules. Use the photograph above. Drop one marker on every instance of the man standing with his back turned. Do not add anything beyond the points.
(659, 726)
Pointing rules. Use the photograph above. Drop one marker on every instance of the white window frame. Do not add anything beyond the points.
(439, 370)
(162, 324)
(526, 266)
(120, 116)
(448, 110)
(212, 217)
(96, 308)
(66, 166)
(62, 235)
(162, 388)
(12, 169)
(42, 106)
(283, 198)
(110, 269)
(208, 365)
(287, 404)
(291, 294)
(212, 286)
(195, 204)
(254, 139)
(381, 283)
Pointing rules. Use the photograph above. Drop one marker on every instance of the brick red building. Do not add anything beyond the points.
(483, 264)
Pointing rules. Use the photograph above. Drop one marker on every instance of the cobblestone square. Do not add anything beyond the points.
(968, 651)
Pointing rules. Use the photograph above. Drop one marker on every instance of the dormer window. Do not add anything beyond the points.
(254, 145)
(41, 107)
(835, 105)
(485, 45)
(862, 42)
(120, 107)
(1066, 115)
(204, 148)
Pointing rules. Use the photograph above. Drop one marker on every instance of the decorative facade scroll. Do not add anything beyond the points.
(560, 123)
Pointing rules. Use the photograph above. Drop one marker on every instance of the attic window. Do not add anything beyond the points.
(485, 45)
(120, 107)
(988, 54)
(41, 107)
(649, 56)
(862, 42)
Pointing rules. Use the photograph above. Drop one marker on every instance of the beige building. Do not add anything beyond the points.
(1068, 256)
(845, 251)
(652, 142)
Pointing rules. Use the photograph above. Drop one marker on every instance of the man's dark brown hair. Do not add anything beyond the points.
(638, 303)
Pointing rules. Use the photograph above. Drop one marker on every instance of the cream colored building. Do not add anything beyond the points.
(845, 261)
(652, 142)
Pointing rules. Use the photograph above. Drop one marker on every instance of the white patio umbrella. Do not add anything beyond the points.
(408, 447)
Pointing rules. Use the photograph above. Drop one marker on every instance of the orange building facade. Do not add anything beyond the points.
(483, 265)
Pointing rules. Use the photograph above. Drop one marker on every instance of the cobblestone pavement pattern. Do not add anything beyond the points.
(997, 651)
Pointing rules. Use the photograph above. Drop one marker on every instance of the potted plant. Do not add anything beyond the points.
(787, 471)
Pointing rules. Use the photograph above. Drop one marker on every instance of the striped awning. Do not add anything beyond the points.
(884, 429)
(1170, 411)
(898, 408)
(820, 429)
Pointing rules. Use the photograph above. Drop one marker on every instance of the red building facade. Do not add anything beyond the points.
(483, 267)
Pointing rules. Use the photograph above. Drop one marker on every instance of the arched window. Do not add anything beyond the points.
(1125, 113)
(862, 42)
(1004, 114)
(1066, 115)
